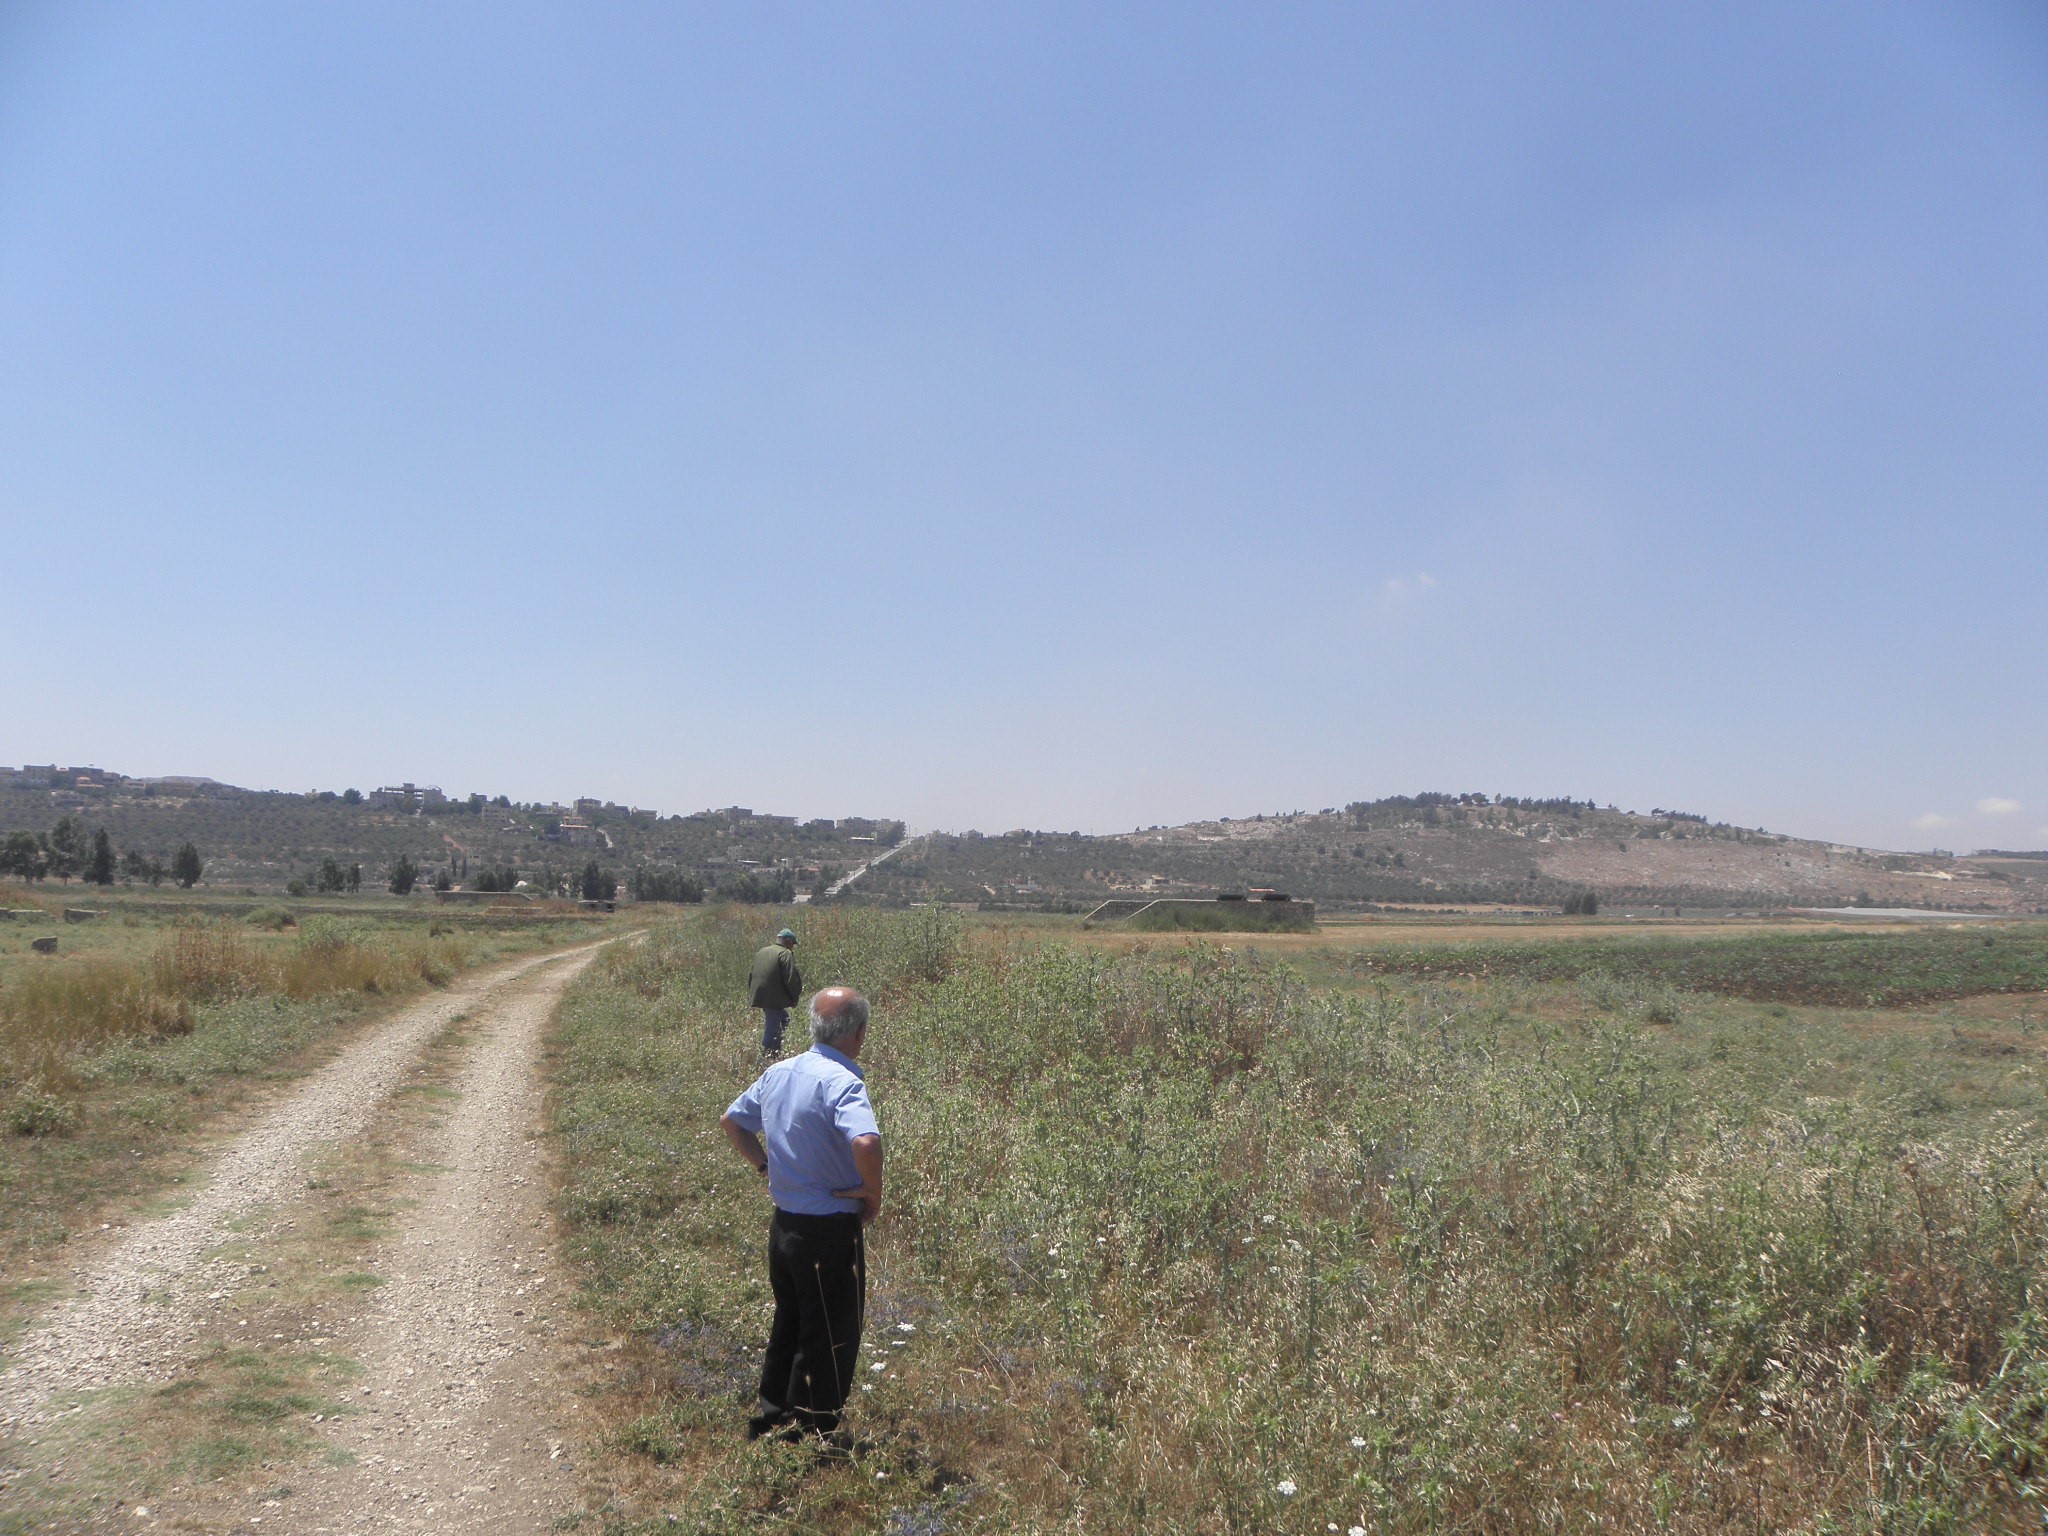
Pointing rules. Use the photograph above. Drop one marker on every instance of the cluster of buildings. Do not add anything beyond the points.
(86, 779)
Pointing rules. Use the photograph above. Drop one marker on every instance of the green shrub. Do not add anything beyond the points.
(36, 1112)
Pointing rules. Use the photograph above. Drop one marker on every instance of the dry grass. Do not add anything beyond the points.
(337, 962)
(49, 1018)
(56, 1013)
(206, 962)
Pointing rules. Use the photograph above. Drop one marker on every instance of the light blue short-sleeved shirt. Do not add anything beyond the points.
(807, 1110)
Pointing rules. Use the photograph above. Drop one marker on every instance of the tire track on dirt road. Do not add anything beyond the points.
(139, 1306)
(464, 1397)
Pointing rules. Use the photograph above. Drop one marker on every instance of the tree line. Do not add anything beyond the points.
(66, 852)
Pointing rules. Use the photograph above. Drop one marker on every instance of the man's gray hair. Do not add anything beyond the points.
(845, 1021)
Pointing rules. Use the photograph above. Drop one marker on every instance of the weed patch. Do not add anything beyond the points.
(1888, 970)
(1176, 1242)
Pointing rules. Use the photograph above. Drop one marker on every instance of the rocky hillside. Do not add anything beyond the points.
(1459, 848)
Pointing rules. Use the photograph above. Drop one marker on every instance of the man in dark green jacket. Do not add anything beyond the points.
(775, 986)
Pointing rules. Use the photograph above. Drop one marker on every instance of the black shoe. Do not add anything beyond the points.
(762, 1423)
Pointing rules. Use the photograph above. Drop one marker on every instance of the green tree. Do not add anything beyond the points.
(332, 879)
(67, 849)
(23, 856)
(137, 866)
(99, 864)
(351, 797)
(597, 885)
(355, 878)
(404, 876)
(186, 866)
(767, 890)
(664, 885)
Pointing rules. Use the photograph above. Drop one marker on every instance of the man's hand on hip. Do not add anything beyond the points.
(867, 1161)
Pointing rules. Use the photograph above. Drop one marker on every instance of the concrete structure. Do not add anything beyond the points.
(407, 796)
(1267, 911)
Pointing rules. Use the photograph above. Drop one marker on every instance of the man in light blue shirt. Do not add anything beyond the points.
(822, 1158)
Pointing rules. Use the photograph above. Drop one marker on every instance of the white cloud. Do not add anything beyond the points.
(1421, 581)
(1933, 821)
(1997, 805)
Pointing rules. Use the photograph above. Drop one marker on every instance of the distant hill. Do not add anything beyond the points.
(263, 839)
(1440, 849)
(1406, 850)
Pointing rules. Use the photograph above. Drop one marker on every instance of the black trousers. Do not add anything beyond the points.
(817, 1266)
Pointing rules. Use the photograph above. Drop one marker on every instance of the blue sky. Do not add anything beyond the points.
(1056, 415)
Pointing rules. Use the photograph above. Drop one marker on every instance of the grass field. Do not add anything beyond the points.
(1180, 1239)
(155, 1019)
(1891, 969)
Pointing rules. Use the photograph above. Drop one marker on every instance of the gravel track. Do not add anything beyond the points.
(464, 1428)
(142, 1302)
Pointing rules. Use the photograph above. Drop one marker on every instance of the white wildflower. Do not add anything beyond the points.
(1285, 1488)
(1358, 1442)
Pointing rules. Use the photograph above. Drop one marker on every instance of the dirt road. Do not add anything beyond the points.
(456, 1420)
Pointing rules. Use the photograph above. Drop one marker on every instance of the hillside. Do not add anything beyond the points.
(1430, 849)
(263, 839)
(1457, 848)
